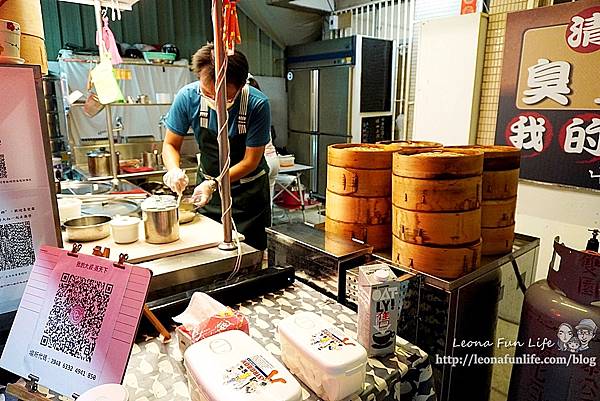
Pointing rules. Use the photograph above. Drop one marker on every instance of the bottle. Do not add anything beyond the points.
(592, 244)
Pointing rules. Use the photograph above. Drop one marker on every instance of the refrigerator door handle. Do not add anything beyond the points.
(314, 161)
(314, 100)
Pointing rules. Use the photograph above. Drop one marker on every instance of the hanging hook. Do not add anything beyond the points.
(104, 13)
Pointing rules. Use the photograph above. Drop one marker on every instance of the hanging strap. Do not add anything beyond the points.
(203, 113)
(242, 115)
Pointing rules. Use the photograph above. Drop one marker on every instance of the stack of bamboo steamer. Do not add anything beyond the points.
(498, 208)
(437, 210)
(358, 203)
(359, 190)
(28, 13)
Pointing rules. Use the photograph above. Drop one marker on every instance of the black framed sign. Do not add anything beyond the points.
(550, 93)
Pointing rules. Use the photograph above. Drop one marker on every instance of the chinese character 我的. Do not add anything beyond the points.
(528, 133)
(584, 31)
(579, 139)
(550, 80)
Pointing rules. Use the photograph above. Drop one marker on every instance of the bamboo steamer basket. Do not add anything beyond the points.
(453, 195)
(437, 228)
(28, 13)
(401, 145)
(362, 156)
(377, 235)
(358, 182)
(497, 240)
(501, 184)
(500, 170)
(33, 50)
(349, 209)
(438, 163)
(498, 213)
(444, 262)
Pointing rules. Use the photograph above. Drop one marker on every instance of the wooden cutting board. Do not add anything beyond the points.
(201, 233)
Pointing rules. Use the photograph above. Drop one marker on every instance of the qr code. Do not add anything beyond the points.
(3, 171)
(76, 317)
(16, 246)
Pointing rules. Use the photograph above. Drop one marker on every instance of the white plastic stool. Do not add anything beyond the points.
(106, 392)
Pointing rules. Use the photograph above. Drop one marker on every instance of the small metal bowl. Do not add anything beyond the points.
(88, 228)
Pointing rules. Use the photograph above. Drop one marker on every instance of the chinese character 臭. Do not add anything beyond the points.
(548, 80)
(584, 31)
(578, 139)
(528, 133)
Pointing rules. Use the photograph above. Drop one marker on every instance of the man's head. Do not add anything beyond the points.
(586, 330)
(203, 64)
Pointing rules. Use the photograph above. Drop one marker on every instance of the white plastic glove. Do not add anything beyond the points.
(176, 180)
(203, 193)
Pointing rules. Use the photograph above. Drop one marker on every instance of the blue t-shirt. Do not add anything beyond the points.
(184, 113)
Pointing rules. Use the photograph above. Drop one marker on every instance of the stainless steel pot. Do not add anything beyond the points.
(161, 219)
(88, 228)
(99, 163)
(151, 159)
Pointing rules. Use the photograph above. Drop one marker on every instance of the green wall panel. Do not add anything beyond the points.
(187, 23)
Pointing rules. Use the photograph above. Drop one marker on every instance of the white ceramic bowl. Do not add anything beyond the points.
(68, 208)
(106, 392)
(125, 229)
(10, 39)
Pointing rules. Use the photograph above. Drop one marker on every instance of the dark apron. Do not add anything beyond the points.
(251, 200)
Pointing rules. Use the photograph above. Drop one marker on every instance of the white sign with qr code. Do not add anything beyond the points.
(74, 328)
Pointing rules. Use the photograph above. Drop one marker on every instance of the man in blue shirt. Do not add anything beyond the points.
(249, 119)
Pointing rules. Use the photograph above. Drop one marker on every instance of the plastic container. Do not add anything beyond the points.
(231, 366)
(68, 208)
(323, 357)
(10, 39)
(125, 229)
(286, 160)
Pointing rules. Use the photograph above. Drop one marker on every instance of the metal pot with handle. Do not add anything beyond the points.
(161, 219)
(99, 162)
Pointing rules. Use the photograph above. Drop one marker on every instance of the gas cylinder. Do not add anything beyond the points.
(559, 336)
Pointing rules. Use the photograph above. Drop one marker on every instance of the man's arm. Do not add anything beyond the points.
(171, 149)
(248, 164)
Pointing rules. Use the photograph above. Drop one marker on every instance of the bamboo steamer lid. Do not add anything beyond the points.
(437, 228)
(399, 145)
(359, 155)
(500, 184)
(436, 195)
(443, 262)
(496, 157)
(498, 213)
(351, 209)
(359, 182)
(438, 163)
(377, 235)
(28, 13)
(497, 241)
(33, 50)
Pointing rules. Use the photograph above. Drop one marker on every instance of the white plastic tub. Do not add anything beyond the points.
(231, 366)
(322, 356)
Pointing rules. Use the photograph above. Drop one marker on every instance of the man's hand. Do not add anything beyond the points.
(203, 193)
(176, 180)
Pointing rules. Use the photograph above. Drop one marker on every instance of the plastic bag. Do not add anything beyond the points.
(205, 317)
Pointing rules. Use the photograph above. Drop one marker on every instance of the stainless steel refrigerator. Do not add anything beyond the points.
(339, 91)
